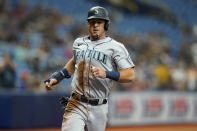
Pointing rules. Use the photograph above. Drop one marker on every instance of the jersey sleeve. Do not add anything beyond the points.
(122, 58)
(75, 45)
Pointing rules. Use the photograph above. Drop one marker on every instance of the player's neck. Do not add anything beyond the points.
(95, 38)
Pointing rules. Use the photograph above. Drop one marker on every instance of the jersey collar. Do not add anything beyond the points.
(87, 40)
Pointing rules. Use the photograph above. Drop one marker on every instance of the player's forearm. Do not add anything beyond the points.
(126, 75)
(70, 67)
(122, 76)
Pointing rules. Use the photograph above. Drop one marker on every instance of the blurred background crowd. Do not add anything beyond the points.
(161, 36)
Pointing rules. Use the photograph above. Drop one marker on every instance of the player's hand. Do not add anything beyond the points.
(97, 72)
(49, 83)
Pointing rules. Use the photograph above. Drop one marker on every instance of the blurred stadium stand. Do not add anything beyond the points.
(36, 39)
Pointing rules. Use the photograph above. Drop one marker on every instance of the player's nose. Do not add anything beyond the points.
(95, 24)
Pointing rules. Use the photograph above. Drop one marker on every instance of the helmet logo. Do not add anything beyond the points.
(96, 12)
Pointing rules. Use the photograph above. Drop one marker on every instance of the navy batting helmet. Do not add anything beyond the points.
(100, 13)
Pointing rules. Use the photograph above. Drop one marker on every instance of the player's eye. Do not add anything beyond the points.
(95, 22)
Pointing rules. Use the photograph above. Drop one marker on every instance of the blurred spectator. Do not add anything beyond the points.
(185, 54)
(162, 75)
(22, 52)
(7, 73)
(20, 10)
(192, 78)
(179, 76)
(23, 83)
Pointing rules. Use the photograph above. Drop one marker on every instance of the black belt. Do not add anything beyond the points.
(84, 99)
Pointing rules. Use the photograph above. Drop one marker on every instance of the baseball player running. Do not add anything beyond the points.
(98, 61)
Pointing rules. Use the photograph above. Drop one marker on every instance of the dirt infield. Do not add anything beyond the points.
(192, 127)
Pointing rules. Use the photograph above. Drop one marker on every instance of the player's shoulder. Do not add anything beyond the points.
(79, 40)
(116, 43)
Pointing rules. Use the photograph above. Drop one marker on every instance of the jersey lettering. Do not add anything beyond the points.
(97, 55)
